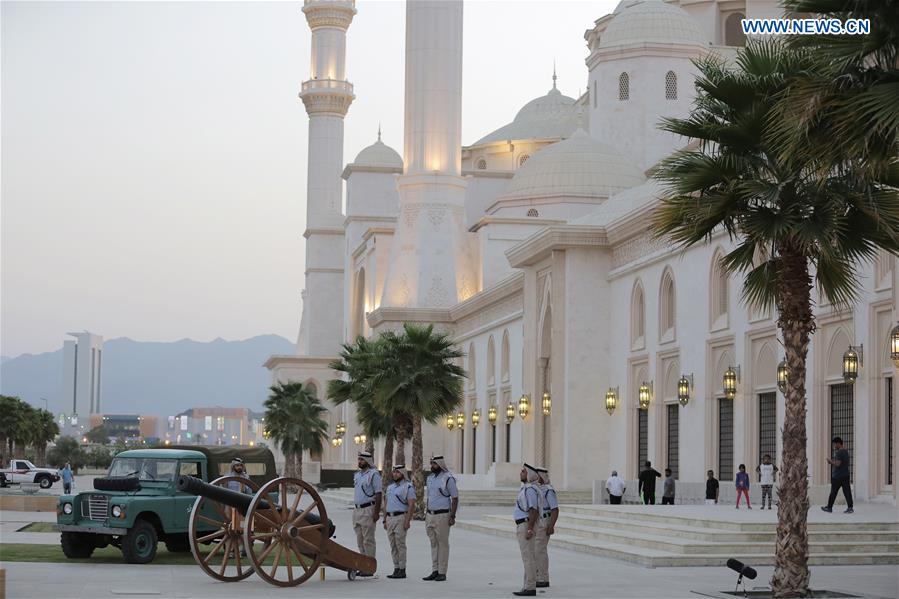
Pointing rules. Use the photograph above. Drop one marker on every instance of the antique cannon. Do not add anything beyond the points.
(274, 529)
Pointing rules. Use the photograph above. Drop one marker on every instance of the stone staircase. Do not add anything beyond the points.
(491, 497)
(687, 536)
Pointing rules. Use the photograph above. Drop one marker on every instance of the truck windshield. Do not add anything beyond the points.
(147, 469)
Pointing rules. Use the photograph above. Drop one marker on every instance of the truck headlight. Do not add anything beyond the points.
(67, 508)
(117, 511)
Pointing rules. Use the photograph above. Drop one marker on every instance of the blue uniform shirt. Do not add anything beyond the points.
(367, 484)
(67, 476)
(441, 487)
(528, 499)
(398, 496)
(550, 501)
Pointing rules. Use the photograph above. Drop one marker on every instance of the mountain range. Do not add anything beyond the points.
(155, 378)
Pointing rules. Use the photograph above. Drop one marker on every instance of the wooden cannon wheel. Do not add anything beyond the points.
(212, 523)
(277, 525)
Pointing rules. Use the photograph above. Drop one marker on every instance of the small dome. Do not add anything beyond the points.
(654, 22)
(379, 154)
(578, 166)
(553, 116)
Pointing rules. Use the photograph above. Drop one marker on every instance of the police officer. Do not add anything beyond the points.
(367, 497)
(546, 526)
(443, 501)
(526, 514)
(399, 506)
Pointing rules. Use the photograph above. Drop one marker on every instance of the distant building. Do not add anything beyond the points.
(82, 369)
(214, 426)
(129, 426)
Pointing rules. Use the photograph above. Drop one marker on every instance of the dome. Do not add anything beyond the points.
(578, 166)
(653, 22)
(553, 116)
(379, 154)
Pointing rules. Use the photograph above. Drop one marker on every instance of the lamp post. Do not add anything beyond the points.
(491, 415)
(547, 404)
(475, 418)
(450, 422)
(460, 420)
(523, 406)
(611, 400)
(510, 413)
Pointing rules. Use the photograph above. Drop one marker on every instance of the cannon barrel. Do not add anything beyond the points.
(239, 501)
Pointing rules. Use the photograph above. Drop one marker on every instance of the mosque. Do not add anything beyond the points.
(589, 344)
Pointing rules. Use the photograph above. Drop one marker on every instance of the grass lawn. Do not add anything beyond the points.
(38, 527)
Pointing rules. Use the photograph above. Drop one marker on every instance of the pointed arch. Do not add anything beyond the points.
(764, 371)
(504, 360)
(472, 371)
(638, 316)
(624, 87)
(491, 362)
(667, 307)
(719, 296)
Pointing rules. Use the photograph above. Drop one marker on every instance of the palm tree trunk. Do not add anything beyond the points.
(386, 479)
(288, 463)
(796, 322)
(370, 443)
(299, 467)
(400, 450)
(418, 475)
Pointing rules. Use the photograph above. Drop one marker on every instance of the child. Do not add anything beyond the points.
(668, 488)
(767, 472)
(743, 485)
(711, 488)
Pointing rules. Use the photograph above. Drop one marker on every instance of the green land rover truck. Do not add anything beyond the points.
(137, 504)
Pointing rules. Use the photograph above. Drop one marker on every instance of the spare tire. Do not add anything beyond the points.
(128, 483)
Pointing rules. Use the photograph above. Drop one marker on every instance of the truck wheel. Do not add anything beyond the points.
(45, 482)
(177, 544)
(139, 545)
(77, 545)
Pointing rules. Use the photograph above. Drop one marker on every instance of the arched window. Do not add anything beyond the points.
(718, 302)
(482, 165)
(533, 212)
(523, 158)
(638, 317)
(491, 363)
(624, 87)
(594, 93)
(504, 360)
(667, 307)
(671, 85)
(733, 30)
(472, 383)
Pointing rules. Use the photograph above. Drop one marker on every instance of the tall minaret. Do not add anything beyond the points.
(327, 96)
(431, 263)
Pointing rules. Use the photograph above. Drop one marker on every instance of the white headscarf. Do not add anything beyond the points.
(544, 475)
(533, 475)
(438, 459)
(369, 459)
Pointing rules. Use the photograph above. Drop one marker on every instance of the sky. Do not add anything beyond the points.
(153, 154)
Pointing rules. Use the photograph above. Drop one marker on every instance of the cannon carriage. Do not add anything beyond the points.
(280, 531)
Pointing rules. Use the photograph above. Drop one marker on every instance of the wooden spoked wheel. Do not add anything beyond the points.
(289, 515)
(216, 534)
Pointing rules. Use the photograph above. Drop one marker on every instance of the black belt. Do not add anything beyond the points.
(364, 505)
(521, 521)
(547, 515)
(435, 512)
(396, 513)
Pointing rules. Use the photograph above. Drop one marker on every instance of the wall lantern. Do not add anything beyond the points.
(852, 359)
(644, 394)
(894, 345)
(523, 406)
(359, 439)
(731, 377)
(510, 413)
(547, 404)
(475, 418)
(460, 419)
(491, 415)
(611, 400)
(450, 422)
(336, 441)
(340, 429)
(782, 373)
(684, 387)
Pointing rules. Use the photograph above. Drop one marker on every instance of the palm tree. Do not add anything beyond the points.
(11, 408)
(26, 424)
(293, 418)
(419, 376)
(791, 229)
(45, 430)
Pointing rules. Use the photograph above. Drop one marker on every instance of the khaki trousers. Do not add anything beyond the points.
(541, 549)
(437, 527)
(365, 529)
(396, 534)
(528, 557)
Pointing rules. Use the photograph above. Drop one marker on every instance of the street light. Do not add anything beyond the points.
(460, 419)
(547, 404)
(510, 413)
(450, 422)
(491, 415)
(523, 406)
(475, 418)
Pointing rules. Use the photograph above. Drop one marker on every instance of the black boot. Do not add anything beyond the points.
(531, 593)
(400, 573)
(431, 576)
(440, 578)
(395, 570)
(542, 585)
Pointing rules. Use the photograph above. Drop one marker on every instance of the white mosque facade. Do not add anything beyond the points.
(530, 247)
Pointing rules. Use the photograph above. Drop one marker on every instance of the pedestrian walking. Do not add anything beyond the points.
(647, 485)
(615, 487)
(546, 526)
(742, 484)
(399, 505)
(367, 499)
(668, 488)
(67, 478)
(526, 513)
(767, 473)
(711, 488)
(839, 476)
(443, 501)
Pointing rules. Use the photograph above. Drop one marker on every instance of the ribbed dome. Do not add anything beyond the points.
(379, 154)
(553, 116)
(578, 166)
(652, 21)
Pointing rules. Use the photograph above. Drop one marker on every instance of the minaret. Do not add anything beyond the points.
(431, 263)
(327, 95)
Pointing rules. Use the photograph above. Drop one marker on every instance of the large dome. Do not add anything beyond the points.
(578, 166)
(653, 22)
(379, 154)
(553, 116)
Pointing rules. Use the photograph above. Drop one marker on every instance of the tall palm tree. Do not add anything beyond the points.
(791, 229)
(45, 430)
(11, 408)
(25, 428)
(293, 418)
(420, 376)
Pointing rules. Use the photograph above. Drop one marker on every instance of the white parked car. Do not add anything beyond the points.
(23, 471)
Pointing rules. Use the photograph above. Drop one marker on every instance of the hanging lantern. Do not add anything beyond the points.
(510, 413)
(450, 422)
(363, 438)
(782, 373)
(357, 439)
(491, 415)
(644, 394)
(475, 418)
(611, 400)
(731, 376)
(894, 345)
(460, 419)
(547, 404)
(684, 386)
(852, 359)
(523, 404)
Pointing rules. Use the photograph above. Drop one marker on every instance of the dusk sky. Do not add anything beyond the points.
(154, 154)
